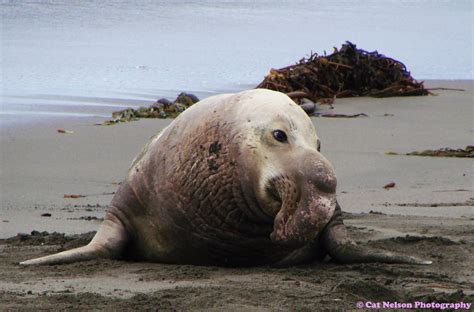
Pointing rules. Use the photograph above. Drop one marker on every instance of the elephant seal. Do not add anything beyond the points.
(235, 180)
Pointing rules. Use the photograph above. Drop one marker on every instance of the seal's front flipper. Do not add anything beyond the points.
(343, 250)
(109, 242)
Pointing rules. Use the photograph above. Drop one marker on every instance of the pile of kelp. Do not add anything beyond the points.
(163, 108)
(345, 73)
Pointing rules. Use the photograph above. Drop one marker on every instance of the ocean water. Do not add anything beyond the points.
(88, 58)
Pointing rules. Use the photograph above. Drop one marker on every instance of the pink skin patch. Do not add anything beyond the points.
(300, 222)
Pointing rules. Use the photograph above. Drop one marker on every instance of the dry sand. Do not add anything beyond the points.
(432, 203)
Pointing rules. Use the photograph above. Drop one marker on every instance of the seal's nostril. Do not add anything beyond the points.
(320, 173)
(325, 183)
(271, 190)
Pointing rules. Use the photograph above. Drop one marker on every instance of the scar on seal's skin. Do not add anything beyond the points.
(214, 150)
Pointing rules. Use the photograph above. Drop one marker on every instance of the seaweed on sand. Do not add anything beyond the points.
(346, 72)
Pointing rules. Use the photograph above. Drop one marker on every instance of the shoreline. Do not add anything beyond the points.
(55, 107)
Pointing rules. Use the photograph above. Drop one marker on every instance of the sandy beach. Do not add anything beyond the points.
(429, 213)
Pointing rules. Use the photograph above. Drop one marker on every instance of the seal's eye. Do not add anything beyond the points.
(318, 147)
(280, 136)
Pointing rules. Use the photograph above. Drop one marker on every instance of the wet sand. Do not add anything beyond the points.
(432, 203)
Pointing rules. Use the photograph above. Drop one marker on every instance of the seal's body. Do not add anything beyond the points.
(237, 179)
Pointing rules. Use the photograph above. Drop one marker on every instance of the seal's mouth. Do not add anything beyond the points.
(302, 211)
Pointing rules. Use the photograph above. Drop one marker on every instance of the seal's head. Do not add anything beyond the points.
(293, 182)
